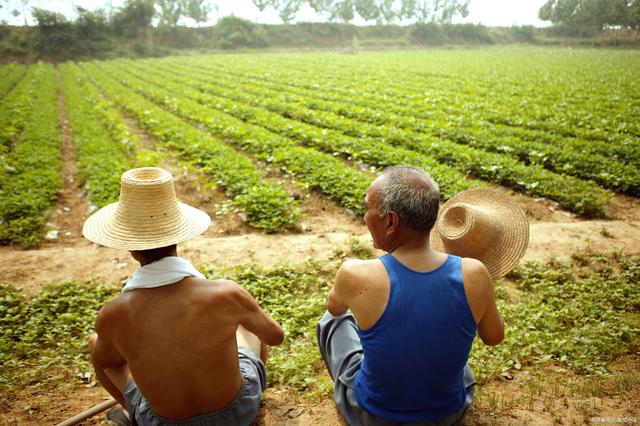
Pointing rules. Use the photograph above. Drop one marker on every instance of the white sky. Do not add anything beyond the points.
(486, 12)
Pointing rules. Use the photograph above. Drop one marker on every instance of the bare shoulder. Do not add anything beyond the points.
(475, 276)
(357, 267)
(355, 273)
(223, 291)
(108, 316)
(473, 266)
(354, 269)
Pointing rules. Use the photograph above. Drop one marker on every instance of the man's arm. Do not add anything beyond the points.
(103, 352)
(255, 320)
(110, 366)
(339, 297)
(482, 301)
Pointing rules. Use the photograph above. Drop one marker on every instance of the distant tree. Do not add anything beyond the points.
(92, 31)
(367, 9)
(170, 12)
(233, 32)
(387, 12)
(135, 16)
(198, 10)
(54, 32)
(286, 9)
(593, 15)
(441, 11)
(15, 12)
(634, 15)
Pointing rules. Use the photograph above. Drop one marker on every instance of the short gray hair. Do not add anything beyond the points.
(412, 194)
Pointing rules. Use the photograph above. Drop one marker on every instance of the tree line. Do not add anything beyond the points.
(169, 12)
(581, 17)
(378, 11)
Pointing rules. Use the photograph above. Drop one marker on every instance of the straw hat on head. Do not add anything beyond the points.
(484, 224)
(147, 216)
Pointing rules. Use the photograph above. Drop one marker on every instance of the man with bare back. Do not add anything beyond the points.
(174, 347)
(400, 356)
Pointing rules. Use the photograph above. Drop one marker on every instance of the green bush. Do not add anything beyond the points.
(233, 33)
(429, 33)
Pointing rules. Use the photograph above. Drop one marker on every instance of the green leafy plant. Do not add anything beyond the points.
(266, 204)
(27, 193)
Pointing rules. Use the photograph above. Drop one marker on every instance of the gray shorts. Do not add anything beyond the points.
(241, 411)
(342, 353)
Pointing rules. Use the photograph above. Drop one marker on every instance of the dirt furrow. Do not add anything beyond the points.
(70, 209)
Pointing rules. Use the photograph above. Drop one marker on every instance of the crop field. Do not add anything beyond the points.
(280, 148)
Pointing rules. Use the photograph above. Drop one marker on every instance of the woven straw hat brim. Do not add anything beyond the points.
(103, 228)
(511, 243)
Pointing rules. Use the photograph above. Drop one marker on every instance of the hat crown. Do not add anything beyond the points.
(147, 216)
(147, 199)
(468, 230)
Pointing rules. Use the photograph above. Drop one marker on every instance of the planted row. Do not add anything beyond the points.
(315, 169)
(266, 205)
(574, 194)
(17, 106)
(101, 159)
(369, 151)
(446, 114)
(28, 192)
(614, 169)
(589, 96)
(9, 76)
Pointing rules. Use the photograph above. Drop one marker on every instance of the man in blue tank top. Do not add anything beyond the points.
(400, 356)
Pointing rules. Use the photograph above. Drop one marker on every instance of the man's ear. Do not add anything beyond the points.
(393, 220)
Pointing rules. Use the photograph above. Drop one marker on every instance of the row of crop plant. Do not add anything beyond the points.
(10, 75)
(614, 166)
(505, 88)
(454, 113)
(266, 204)
(583, 197)
(369, 151)
(16, 108)
(313, 169)
(100, 157)
(28, 191)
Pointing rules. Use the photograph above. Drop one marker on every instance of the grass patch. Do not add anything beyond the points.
(48, 332)
(581, 314)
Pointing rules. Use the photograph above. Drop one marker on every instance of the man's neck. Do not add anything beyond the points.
(411, 248)
(417, 254)
(408, 242)
(145, 260)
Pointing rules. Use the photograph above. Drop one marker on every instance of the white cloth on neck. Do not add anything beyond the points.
(165, 271)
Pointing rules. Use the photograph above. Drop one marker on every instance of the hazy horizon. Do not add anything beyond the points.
(492, 13)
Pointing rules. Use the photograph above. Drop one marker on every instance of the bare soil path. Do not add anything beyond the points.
(71, 207)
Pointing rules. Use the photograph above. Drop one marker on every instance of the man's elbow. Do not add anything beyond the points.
(276, 338)
(493, 339)
(335, 309)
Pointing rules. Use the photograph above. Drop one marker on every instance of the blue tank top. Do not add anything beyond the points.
(415, 353)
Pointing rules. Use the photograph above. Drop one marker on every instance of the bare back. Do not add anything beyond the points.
(179, 343)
